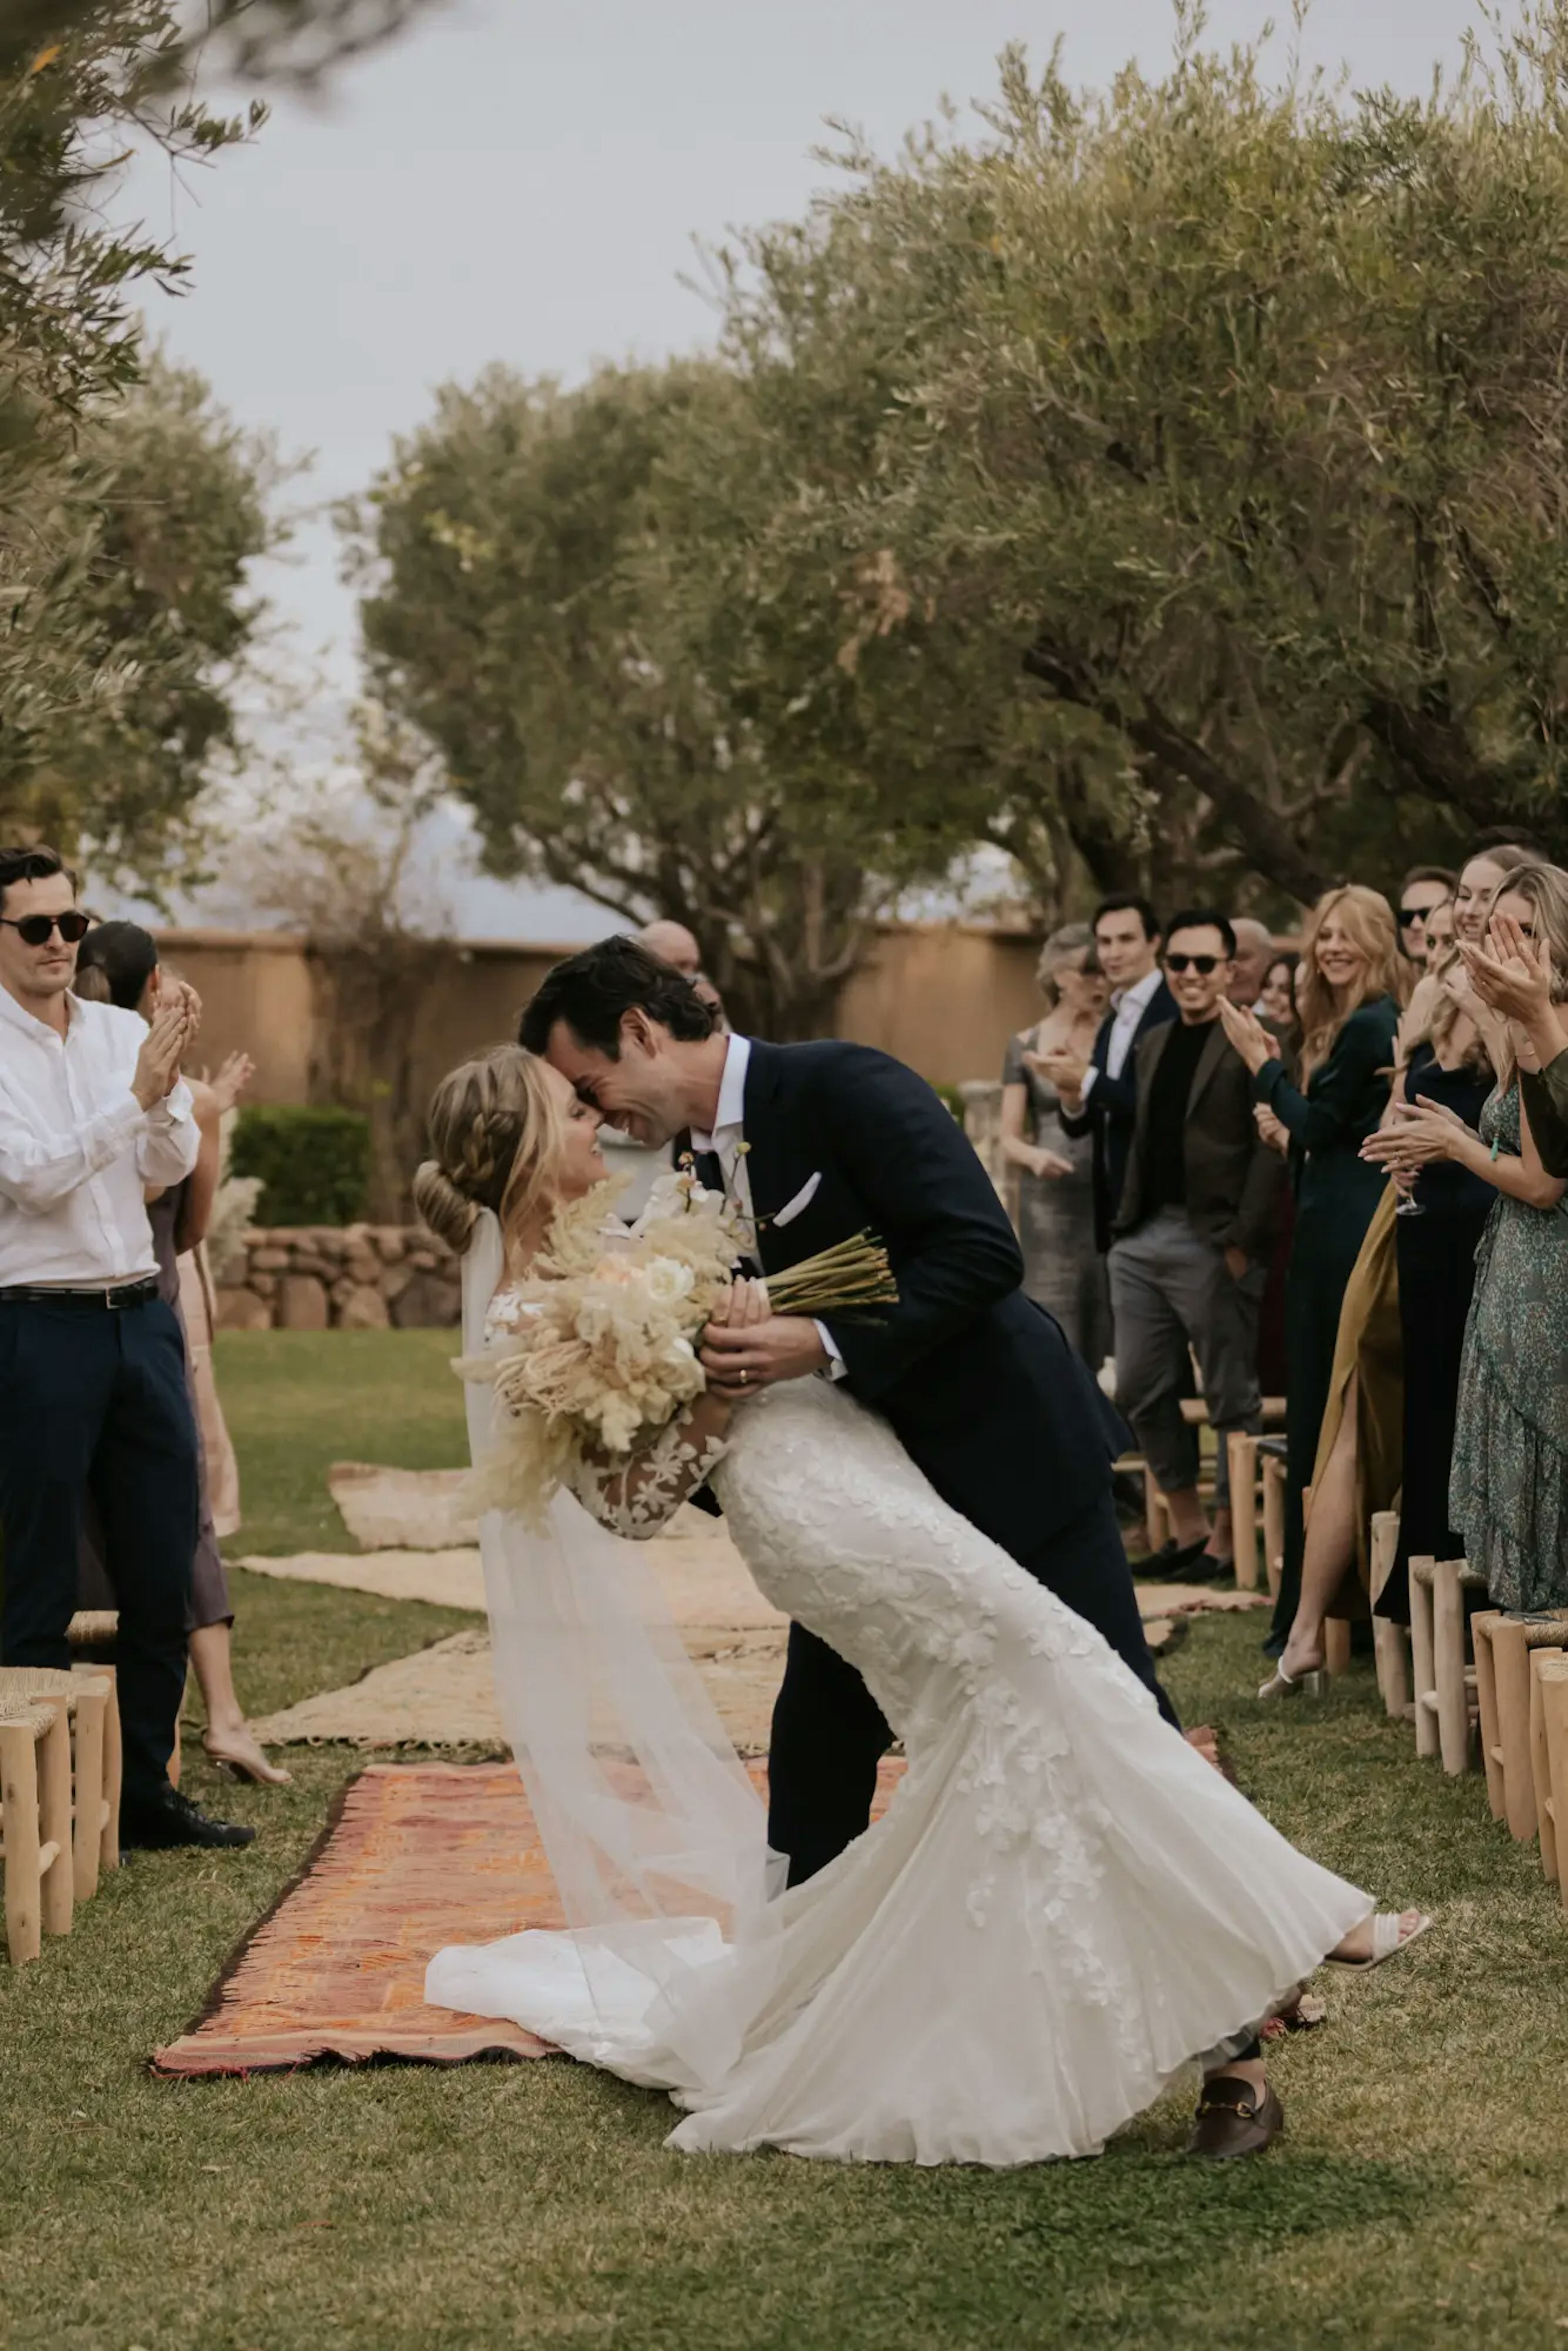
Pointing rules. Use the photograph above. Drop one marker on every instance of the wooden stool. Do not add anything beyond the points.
(1389, 1639)
(1542, 1662)
(36, 1819)
(1273, 1520)
(1549, 1675)
(1504, 1644)
(1242, 1454)
(87, 1696)
(1438, 1589)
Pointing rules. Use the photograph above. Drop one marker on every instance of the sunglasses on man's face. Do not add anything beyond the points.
(37, 930)
(1202, 964)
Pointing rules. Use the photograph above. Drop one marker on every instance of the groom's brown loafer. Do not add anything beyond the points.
(1233, 2120)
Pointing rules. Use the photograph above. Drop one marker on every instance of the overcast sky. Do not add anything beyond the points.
(521, 182)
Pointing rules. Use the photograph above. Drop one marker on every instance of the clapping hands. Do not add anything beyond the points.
(168, 1038)
(1248, 1036)
(230, 1082)
(1419, 1133)
(1512, 973)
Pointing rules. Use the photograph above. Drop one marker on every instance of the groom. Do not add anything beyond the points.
(817, 1143)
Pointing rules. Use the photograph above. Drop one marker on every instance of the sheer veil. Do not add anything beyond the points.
(651, 1825)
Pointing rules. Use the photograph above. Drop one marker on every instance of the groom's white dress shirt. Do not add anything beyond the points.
(727, 1145)
(76, 1149)
(1130, 1006)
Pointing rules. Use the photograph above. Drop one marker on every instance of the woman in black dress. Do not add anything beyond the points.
(1436, 1243)
(118, 964)
(1350, 1011)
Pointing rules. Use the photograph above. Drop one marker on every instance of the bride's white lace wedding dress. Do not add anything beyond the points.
(1063, 1904)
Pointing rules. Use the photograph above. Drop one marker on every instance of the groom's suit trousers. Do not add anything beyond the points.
(829, 1733)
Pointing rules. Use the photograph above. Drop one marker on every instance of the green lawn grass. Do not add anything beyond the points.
(1418, 2196)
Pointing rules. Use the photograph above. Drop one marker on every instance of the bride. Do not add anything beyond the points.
(1064, 1904)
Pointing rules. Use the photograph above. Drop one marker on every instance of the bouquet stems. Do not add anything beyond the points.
(853, 1278)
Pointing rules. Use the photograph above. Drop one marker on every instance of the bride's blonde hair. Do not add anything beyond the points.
(496, 1134)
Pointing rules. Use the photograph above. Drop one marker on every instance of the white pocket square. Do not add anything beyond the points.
(802, 1199)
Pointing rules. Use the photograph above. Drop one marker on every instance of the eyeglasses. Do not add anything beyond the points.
(37, 930)
(1202, 964)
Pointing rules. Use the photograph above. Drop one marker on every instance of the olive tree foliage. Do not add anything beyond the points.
(129, 506)
(1225, 456)
(295, 41)
(561, 592)
(1163, 486)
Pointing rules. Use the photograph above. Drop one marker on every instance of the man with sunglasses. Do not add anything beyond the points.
(1194, 1232)
(1423, 891)
(93, 1112)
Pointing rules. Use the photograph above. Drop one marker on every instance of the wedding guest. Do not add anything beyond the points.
(1194, 1234)
(1424, 888)
(1439, 929)
(1350, 1008)
(1387, 1431)
(1062, 1271)
(92, 1384)
(1098, 1092)
(1477, 887)
(1509, 1491)
(1513, 977)
(1249, 965)
(675, 945)
(1276, 1005)
(118, 964)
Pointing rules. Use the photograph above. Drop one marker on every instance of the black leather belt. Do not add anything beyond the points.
(113, 1295)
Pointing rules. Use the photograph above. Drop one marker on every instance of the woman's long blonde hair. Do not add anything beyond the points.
(496, 1134)
(1369, 918)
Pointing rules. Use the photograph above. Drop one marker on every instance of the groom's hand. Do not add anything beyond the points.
(740, 1357)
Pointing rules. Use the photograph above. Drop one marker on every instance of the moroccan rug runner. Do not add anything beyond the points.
(414, 1856)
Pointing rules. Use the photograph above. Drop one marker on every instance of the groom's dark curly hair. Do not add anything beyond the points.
(591, 992)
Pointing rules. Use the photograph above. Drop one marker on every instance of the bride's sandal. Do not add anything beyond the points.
(1390, 1936)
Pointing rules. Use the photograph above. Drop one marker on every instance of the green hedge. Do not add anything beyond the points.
(314, 1165)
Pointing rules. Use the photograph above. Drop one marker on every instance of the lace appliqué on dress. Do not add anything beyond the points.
(638, 1498)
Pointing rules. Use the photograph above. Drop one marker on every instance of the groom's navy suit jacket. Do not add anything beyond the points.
(979, 1384)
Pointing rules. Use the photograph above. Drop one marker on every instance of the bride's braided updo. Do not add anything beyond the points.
(496, 1134)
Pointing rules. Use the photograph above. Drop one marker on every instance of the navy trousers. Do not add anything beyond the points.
(94, 1398)
(828, 1732)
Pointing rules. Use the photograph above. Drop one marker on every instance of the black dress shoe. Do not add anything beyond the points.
(1172, 1559)
(1232, 2119)
(170, 1819)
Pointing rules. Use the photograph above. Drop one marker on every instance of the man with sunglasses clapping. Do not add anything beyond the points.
(93, 1112)
(1199, 1209)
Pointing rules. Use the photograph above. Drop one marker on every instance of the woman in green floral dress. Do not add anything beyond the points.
(1508, 1489)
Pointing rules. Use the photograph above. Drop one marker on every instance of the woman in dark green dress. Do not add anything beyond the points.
(1350, 1012)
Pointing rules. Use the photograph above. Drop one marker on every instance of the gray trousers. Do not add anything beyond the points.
(1171, 1291)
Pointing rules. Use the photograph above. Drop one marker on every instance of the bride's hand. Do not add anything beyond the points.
(746, 1345)
(743, 1303)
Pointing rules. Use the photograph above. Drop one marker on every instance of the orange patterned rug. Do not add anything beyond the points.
(412, 1857)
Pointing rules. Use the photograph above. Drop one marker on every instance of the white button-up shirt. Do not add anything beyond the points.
(726, 1144)
(77, 1150)
(1130, 1006)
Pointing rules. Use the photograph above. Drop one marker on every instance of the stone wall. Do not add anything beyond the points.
(326, 1278)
